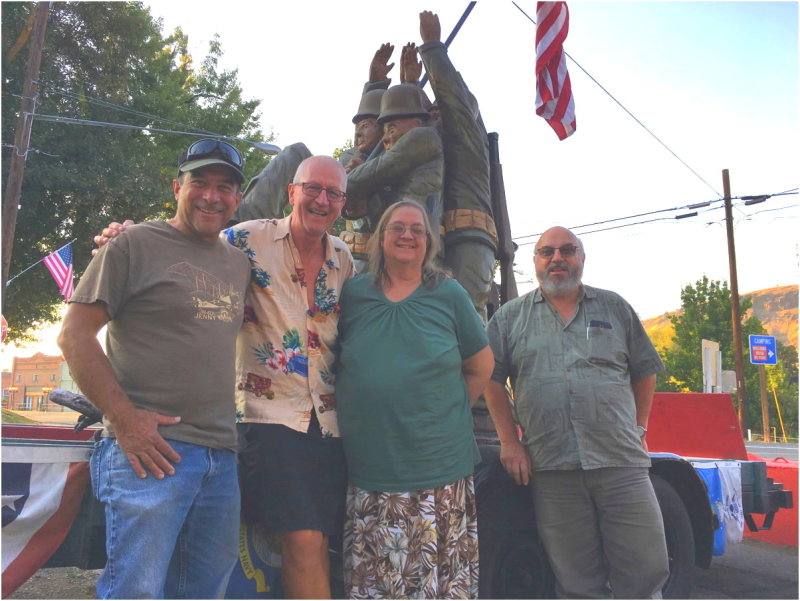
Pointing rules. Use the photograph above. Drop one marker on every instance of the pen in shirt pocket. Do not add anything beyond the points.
(594, 323)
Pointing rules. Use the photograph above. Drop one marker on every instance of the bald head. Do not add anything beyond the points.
(557, 236)
(320, 164)
(559, 259)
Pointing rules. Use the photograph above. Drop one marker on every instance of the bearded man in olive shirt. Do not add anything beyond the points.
(583, 373)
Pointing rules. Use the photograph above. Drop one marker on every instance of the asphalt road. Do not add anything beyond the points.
(749, 570)
(771, 450)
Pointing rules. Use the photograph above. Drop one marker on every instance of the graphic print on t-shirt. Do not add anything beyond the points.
(211, 297)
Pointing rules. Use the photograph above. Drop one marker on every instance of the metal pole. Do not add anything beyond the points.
(762, 382)
(379, 147)
(736, 318)
(16, 170)
(452, 35)
(778, 411)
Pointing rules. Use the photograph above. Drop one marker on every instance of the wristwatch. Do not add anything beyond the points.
(642, 431)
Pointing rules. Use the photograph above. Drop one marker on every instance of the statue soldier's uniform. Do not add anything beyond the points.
(358, 230)
(412, 169)
(470, 237)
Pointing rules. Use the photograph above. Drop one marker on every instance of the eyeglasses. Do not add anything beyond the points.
(567, 251)
(207, 148)
(313, 190)
(398, 229)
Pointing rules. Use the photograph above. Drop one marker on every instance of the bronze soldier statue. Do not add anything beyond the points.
(367, 136)
(470, 237)
(410, 166)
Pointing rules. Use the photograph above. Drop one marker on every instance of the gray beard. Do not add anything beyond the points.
(561, 287)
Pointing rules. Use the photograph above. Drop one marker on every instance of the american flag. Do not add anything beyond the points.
(554, 99)
(59, 264)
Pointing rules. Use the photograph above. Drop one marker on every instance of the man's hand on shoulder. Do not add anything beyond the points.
(113, 230)
(515, 460)
(138, 437)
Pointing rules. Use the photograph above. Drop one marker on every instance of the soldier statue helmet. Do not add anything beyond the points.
(370, 105)
(401, 102)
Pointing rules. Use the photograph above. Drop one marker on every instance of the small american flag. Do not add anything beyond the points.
(554, 99)
(59, 264)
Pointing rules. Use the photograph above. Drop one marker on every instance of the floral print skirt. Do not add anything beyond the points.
(412, 545)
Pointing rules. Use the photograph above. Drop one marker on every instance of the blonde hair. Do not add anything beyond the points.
(432, 273)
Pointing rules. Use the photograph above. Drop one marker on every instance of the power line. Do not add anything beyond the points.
(263, 146)
(119, 107)
(690, 207)
(706, 206)
(794, 206)
(627, 111)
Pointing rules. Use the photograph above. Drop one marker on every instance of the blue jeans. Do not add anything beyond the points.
(172, 538)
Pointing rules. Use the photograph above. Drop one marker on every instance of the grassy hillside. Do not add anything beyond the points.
(775, 307)
(9, 417)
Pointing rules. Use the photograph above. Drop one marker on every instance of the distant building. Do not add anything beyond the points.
(6, 384)
(67, 383)
(32, 379)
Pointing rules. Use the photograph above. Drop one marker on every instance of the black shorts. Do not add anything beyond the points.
(290, 480)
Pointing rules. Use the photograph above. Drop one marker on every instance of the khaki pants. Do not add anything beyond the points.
(602, 531)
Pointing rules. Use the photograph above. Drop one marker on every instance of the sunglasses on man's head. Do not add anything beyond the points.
(205, 149)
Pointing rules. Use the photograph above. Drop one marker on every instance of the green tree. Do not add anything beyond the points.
(106, 62)
(706, 314)
(782, 382)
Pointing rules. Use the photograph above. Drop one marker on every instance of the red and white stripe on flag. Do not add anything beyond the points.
(42, 491)
(554, 99)
(59, 264)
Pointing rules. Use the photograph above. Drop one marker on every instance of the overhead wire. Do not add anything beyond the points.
(119, 107)
(690, 207)
(703, 207)
(263, 146)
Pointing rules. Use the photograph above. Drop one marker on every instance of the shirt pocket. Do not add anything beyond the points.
(604, 347)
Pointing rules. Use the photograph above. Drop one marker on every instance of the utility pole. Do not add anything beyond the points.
(736, 317)
(19, 154)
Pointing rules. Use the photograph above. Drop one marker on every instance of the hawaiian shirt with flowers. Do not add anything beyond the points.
(284, 352)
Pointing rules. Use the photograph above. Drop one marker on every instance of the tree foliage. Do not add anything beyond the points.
(107, 62)
(706, 314)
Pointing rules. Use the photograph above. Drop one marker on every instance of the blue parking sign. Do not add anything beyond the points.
(762, 350)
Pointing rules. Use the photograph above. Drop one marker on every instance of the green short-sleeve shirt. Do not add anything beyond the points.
(572, 382)
(404, 411)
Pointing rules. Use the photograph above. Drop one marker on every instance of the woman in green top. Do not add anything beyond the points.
(413, 358)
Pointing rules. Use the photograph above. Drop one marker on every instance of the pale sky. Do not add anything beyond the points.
(717, 82)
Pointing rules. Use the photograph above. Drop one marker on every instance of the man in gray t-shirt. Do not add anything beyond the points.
(172, 295)
(583, 373)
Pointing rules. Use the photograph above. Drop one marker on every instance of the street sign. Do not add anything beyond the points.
(762, 350)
